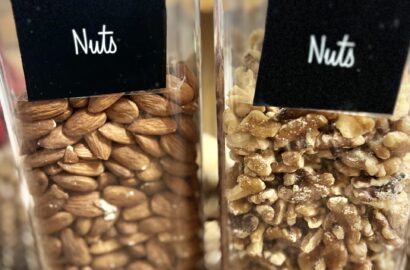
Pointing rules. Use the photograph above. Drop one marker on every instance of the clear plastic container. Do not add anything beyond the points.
(304, 189)
(111, 182)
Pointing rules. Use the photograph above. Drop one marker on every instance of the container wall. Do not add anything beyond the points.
(112, 181)
(304, 189)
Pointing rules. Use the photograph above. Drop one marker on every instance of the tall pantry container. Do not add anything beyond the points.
(107, 132)
(313, 114)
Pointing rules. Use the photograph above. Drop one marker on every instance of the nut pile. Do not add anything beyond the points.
(314, 190)
(114, 178)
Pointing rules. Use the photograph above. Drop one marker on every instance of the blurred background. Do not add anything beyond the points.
(16, 242)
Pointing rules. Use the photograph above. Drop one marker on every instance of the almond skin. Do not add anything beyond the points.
(188, 129)
(99, 145)
(156, 105)
(130, 157)
(123, 196)
(75, 182)
(124, 111)
(114, 260)
(116, 133)
(99, 104)
(153, 126)
(83, 122)
(41, 110)
(152, 173)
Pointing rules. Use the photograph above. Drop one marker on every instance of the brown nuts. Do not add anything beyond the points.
(112, 175)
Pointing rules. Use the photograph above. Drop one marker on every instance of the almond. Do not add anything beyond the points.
(140, 265)
(44, 157)
(78, 103)
(64, 116)
(178, 168)
(134, 239)
(38, 129)
(116, 133)
(152, 173)
(84, 205)
(150, 145)
(75, 249)
(99, 104)
(154, 225)
(190, 108)
(170, 205)
(84, 168)
(103, 247)
(83, 122)
(37, 182)
(123, 196)
(183, 72)
(178, 185)
(52, 246)
(57, 222)
(178, 90)
(99, 145)
(41, 110)
(114, 260)
(101, 225)
(137, 212)
(153, 126)
(124, 111)
(130, 182)
(75, 182)
(82, 226)
(51, 202)
(158, 255)
(187, 128)
(126, 227)
(130, 157)
(151, 188)
(57, 139)
(118, 170)
(52, 169)
(70, 156)
(106, 179)
(178, 148)
(187, 249)
(84, 152)
(156, 105)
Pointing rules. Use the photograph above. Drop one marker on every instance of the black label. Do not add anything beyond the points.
(343, 55)
(73, 48)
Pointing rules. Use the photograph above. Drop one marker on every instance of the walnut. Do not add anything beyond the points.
(239, 207)
(246, 186)
(267, 196)
(384, 229)
(293, 235)
(354, 126)
(259, 125)
(336, 140)
(266, 212)
(260, 164)
(244, 225)
(255, 248)
(298, 127)
(311, 241)
(359, 159)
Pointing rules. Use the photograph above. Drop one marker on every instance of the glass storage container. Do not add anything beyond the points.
(111, 181)
(304, 189)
